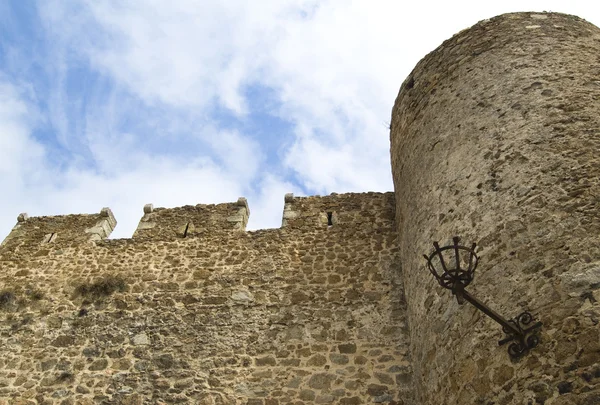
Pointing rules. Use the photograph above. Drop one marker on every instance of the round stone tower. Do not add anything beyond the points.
(495, 138)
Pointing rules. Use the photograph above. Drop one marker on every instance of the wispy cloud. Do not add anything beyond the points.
(18, 150)
(123, 103)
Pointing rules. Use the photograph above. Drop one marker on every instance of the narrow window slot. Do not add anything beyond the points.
(330, 219)
(49, 237)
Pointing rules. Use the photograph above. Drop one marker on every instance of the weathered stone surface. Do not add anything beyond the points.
(347, 348)
(495, 138)
(321, 381)
(184, 222)
(242, 296)
(98, 365)
(140, 339)
(317, 360)
(207, 314)
(336, 358)
(63, 341)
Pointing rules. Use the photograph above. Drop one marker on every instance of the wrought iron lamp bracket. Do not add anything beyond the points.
(527, 338)
(521, 330)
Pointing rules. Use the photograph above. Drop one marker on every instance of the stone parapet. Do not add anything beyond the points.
(190, 221)
(292, 315)
(33, 232)
(338, 210)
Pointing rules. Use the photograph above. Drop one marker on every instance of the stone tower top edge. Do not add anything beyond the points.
(475, 38)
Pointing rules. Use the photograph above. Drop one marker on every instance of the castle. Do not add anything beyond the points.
(495, 136)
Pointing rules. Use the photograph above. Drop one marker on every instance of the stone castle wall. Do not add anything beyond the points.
(496, 138)
(309, 313)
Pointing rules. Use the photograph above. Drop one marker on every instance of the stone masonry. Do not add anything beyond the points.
(194, 309)
(495, 137)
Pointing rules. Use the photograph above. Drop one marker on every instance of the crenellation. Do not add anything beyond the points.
(191, 221)
(32, 232)
(104, 226)
(148, 208)
(337, 210)
(270, 316)
(240, 218)
(491, 140)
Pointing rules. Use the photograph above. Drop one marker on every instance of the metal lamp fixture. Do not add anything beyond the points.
(455, 269)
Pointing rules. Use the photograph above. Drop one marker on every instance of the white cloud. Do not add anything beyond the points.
(164, 183)
(239, 154)
(266, 204)
(333, 67)
(21, 156)
(17, 149)
(314, 55)
(182, 53)
(35, 187)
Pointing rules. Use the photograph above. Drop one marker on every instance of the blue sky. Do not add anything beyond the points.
(123, 103)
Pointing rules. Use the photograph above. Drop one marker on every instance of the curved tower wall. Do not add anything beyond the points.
(495, 137)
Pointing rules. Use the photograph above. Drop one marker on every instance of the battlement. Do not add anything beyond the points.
(63, 229)
(334, 210)
(192, 220)
(365, 210)
(359, 209)
(493, 138)
(198, 304)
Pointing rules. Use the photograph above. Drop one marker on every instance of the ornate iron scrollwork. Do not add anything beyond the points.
(527, 338)
(455, 272)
